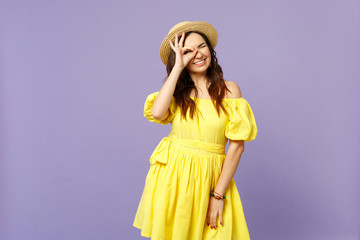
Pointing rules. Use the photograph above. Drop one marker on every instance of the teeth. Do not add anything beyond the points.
(200, 62)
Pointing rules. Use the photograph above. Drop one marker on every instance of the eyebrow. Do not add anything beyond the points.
(201, 44)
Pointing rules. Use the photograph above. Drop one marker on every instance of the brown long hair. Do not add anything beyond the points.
(185, 84)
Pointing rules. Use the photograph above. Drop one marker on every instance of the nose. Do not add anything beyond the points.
(198, 54)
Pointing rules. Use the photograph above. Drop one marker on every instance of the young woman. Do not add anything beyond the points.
(189, 192)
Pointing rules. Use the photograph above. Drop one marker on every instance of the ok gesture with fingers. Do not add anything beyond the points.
(183, 54)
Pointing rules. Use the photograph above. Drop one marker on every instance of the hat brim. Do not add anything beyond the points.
(200, 26)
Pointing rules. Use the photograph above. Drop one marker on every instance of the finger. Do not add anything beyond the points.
(207, 219)
(212, 223)
(221, 219)
(192, 51)
(176, 40)
(193, 54)
(215, 219)
(171, 45)
(182, 39)
(188, 49)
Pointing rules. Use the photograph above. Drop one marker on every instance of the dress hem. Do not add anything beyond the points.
(144, 234)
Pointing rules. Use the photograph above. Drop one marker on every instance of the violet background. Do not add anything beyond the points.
(75, 146)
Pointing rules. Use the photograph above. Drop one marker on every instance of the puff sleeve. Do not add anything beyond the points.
(148, 107)
(241, 124)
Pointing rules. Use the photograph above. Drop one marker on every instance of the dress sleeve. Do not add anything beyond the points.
(148, 107)
(241, 124)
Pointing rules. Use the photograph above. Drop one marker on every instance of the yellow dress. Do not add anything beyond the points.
(185, 167)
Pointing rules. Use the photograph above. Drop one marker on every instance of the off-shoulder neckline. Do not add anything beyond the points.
(230, 99)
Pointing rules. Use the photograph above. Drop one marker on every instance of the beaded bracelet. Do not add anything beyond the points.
(215, 196)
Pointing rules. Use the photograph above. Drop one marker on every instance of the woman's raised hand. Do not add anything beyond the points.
(183, 54)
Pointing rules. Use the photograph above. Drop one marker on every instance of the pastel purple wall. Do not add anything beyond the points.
(75, 146)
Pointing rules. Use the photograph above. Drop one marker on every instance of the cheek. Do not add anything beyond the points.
(207, 53)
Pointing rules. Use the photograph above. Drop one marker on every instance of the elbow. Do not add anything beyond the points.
(157, 115)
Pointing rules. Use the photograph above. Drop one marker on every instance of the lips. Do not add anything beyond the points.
(199, 62)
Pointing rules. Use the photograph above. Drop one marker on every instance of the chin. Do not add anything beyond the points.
(197, 70)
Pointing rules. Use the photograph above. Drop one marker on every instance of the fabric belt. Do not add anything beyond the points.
(162, 151)
(200, 145)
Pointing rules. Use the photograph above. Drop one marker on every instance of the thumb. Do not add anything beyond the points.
(193, 54)
(189, 57)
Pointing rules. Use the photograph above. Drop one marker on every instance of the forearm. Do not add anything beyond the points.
(229, 167)
(163, 99)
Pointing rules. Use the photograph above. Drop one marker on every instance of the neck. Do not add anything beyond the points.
(199, 79)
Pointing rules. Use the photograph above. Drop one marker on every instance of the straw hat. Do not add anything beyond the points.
(187, 26)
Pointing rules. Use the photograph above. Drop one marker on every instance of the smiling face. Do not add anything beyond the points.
(203, 55)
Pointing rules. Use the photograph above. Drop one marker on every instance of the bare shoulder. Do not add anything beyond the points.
(235, 91)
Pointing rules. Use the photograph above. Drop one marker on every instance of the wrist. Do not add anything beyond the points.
(178, 68)
(218, 192)
(216, 195)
